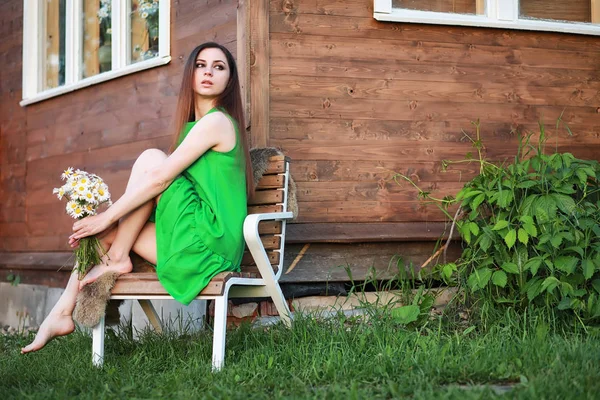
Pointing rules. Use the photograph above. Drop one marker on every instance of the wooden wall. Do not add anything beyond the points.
(352, 100)
(102, 128)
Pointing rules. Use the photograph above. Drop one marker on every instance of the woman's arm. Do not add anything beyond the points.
(211, 131)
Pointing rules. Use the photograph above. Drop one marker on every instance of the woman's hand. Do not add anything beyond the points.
(89, 226)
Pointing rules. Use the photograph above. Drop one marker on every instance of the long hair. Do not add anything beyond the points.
(230, 100)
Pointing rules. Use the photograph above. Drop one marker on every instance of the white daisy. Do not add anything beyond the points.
(59, 192)
(68, 172)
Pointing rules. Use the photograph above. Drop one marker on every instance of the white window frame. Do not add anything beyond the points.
(495, 14)
(32, 48)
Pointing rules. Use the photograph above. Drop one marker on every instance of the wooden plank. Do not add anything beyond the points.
(269, 227)
(249, 261)
(382, 191)
(376, 88)
(368, 212)
(367, 232)
(271, 182)
(432, 72)
(293, 45)
(264, 209)
(243, 55)
(259, 72)
(272, 196)
(403, 110)
(271, 242)
(377, 171)
(334, 130)
(327, 7)
(363, 25)
(277, 167)
(330, 262)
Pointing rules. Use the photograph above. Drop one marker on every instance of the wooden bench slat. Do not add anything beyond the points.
(265, 209)
(271, 242)
(269, 227)
(273, 258)
(273, 197)
(147, 283)
(275, 167)
(271, 182)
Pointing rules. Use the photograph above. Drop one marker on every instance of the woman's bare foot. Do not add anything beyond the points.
(121, 266)
(54, 325)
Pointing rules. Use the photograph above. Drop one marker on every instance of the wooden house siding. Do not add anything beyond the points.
(102, 128)
(353, 100)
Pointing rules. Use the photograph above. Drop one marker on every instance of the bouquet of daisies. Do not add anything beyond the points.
(84, 192)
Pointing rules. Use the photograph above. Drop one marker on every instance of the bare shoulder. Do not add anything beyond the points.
(221, 127)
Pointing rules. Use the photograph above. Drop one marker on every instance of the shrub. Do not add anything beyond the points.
(531, 231)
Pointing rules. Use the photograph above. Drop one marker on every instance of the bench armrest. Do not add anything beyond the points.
(255, 245)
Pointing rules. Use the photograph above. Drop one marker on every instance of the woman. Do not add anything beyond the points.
(199, 191)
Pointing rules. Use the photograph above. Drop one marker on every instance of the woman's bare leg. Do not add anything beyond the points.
(117, 259)
(59, 322)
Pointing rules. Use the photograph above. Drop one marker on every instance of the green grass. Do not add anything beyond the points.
(339, 358)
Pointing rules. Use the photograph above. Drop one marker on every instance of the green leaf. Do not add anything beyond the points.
(485, 242)
(467, 193)
(534, 288)
(500, 225)
(499, 278)
(447, 270)
(582, 176)
(596, 285)
(530, 229)
(566, 263)
(527, 208)
(509, 267)
(479, 279)
(523, 236)
(533, 265)
(541, 215)
(474, 228)
(547, 204)
(510, 238)
(527, 184)
(565, 304)
(549, 284)
(526, 219)
(588, 267)
(556, 240)
(406, 314)
(505, 198)
(565, 203)
(477, 201)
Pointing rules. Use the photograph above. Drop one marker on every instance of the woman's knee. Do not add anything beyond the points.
(150, 157)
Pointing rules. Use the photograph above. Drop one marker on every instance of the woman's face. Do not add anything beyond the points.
(211, 74)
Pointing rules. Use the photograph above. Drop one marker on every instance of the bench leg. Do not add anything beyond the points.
(219, 330)
(98, 343)
(280, 304)
(151, 313)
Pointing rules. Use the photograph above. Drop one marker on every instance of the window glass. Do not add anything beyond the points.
(53, 52)
(560, 10)
(144, 30)
(97, 37)
(448, 6)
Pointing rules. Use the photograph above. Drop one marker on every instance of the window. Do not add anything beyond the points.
(70, 44)
(574, 16)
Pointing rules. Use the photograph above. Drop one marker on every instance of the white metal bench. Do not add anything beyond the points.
(264, 232)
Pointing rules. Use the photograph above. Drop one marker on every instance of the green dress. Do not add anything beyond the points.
(199, 220)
